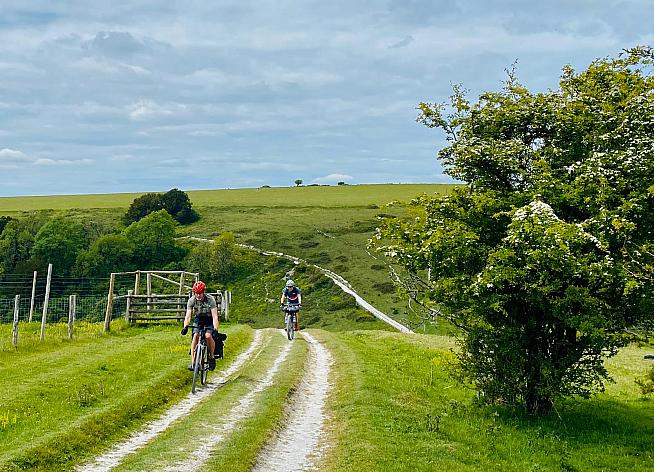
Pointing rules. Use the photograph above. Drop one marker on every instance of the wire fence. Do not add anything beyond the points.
(90, 308)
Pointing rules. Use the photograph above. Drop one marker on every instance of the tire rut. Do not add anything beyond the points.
(115, 455)
(297, 447)
(195, 460)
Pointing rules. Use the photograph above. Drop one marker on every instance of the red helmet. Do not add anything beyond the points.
(199, 287)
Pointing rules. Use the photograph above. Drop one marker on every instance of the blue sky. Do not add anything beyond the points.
(151, 95)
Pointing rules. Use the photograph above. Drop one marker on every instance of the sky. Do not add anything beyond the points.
(146, 95)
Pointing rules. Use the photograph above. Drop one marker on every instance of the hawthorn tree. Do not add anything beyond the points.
(544, 258)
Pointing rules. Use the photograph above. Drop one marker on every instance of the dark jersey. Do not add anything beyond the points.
(292, 295)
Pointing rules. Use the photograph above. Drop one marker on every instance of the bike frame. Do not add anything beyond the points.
(201, 358)
(290, 317)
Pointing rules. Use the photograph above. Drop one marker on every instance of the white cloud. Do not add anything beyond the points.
(61, 162)
(333, 178)
(12, 158)
(145, 110)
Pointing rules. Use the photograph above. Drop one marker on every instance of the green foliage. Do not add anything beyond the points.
(298, 182)
(175, 202)
(16, 243)
(222, 257)
(646, 383)
(153, 238)
(107, 254)
(58, 242)
(143, 206)
(178, 204)
(3, 222)
(547, 256)
(395, 406)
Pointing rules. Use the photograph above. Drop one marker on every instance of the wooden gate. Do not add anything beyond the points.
(150, 306)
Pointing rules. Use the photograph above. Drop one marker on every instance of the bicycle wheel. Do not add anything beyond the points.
(290, 332)
(205, 366)
(197, 364)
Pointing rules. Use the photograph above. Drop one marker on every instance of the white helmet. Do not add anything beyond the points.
(290, 283)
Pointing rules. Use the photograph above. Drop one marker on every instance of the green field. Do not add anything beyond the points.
(306, 196)
(328, 226)
(395, 405)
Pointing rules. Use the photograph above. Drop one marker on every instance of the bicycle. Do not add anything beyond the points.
(201, 360)
(290, 319)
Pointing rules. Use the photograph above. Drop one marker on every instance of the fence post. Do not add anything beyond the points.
(72, 302)
(32, 299)
(14, 338)
(45, 302)
(128, 305)
(149, 288)
(110, 304)
(226, 299)
(137, 282)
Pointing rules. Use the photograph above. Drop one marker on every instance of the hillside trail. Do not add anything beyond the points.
(338, 280)
(300, 445)
(118, 452)
(305, 415)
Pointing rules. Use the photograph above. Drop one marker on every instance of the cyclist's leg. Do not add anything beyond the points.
(211, 343)
(212, 346)
(194, 343)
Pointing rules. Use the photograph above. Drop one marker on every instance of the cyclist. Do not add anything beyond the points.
(206, 314)
(293, 296)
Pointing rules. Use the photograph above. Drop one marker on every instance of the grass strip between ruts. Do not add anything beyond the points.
(207, 421)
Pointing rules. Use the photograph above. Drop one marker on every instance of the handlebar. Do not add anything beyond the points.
(200, 327)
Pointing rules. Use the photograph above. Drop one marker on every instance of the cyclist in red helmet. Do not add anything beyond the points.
(206, 314)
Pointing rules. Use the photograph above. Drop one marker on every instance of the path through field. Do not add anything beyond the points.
(175, 443)
(113, 457)
(338, 280)
(299, 446)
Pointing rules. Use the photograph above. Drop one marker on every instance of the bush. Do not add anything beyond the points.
(3, 222)
(175, 202)
(646, 384)
(384, 287)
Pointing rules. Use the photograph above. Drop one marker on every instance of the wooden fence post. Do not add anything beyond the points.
(226, 299)
(137, 282)
(149, 288)
(72, 302)
(182, 279)
(110, 304)
(14, 338)
(45, 302)
(32, 299)
(128, 305)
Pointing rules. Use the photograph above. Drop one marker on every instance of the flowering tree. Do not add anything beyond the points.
(544, 258)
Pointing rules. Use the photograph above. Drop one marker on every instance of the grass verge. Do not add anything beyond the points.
(396, 408)
(90, 392)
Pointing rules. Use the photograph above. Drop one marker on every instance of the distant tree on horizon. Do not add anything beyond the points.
(298, 182)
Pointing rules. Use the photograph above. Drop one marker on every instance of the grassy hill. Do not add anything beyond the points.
(328, 226)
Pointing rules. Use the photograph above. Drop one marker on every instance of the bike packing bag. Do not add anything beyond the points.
(219, 339)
